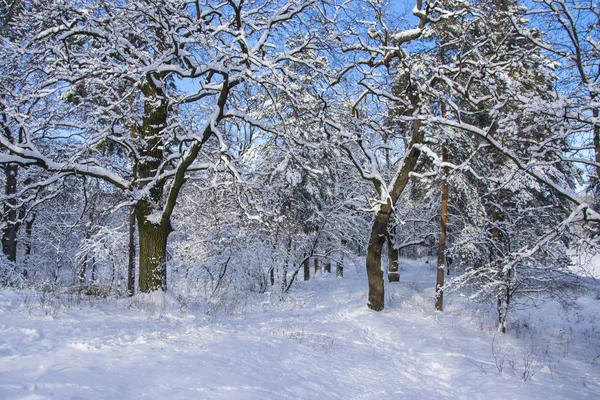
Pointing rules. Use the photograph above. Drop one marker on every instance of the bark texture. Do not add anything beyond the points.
(153, 250)
(374, 271)
(131, 255)
(10, 214)
(382, 217)
(441, 253)
(153, 231)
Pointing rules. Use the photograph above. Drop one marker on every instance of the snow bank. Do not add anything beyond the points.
(318, 342)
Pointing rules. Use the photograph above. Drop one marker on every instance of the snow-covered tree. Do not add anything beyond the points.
(164, 84)
(496, 83)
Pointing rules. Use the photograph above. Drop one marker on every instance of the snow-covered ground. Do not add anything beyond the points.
(319, 342)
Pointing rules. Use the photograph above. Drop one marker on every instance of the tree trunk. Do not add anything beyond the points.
(596, 114)
(393, 271)
(284, 278)
(503, 304)
(131, 261)
(284, 284)
(113, 269)
(503, 297)
(316, 265)
(153, 251)
(93, 261)
(327, 268)
(339, 270)
(382, 217)
(83, 271)
(441, 253)
(152, 235)
(11, 217)
(374, 271)
(84, 263)
(27, 254)
(306, 266)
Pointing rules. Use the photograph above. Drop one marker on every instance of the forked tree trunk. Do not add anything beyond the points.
(153, 233)
(382, 217)
(441, 253)
(393, 264)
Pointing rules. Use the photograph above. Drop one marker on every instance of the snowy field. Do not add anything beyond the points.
(319, 342)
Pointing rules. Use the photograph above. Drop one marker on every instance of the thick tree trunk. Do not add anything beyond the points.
(441, 253)
(316, 260)
(382, 217)
(131, 261)
(153, 233)
(306, 266)
(393, 271)
(374, 271)
(153, 251)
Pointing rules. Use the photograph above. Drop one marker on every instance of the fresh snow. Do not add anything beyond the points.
(318, 342)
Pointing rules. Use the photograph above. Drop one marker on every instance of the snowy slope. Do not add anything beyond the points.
(320, 342)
